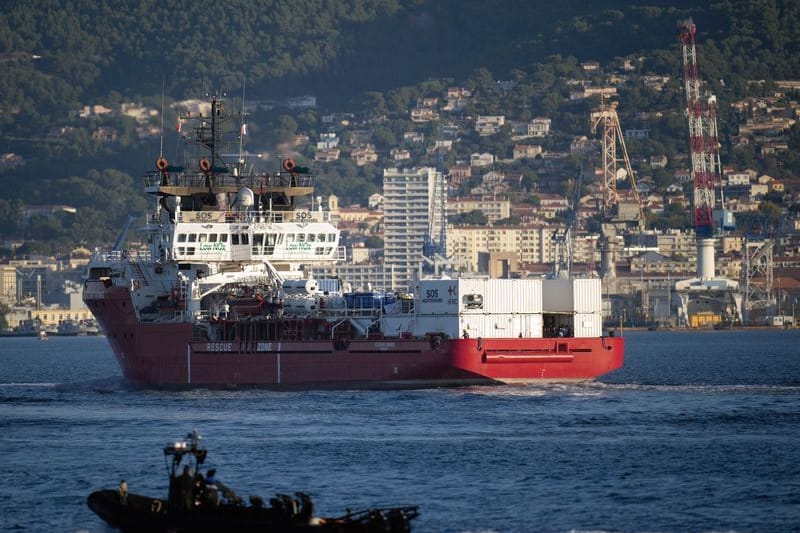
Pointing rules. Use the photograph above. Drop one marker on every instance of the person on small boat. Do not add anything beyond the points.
(122, 492)
(198, 489)
(186, 488)
(214, 487)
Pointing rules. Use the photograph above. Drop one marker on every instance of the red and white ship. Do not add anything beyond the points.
(225, 298)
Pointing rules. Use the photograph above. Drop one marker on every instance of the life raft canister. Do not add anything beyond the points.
(161, 164)
(289, 165)
(205, 165)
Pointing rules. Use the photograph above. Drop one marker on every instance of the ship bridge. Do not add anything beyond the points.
(280, 187)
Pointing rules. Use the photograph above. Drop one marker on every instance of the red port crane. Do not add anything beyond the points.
(703, 137)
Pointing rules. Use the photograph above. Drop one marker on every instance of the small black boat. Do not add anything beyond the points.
(198, 506)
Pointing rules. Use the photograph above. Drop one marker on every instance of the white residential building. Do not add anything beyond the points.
(533, 244)
(400, 154)
(481, 160)
(327, 141)
(539, 127)
(495, 209)
(413, 137)
(489, 125)
(414, 208)
(524, 151)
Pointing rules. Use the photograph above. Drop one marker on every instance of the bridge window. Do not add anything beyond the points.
(269, 247)
(192, 237)
(181, 237)
(234, 238)
(203, 237)
(258, 243)
(223, 237)
(212, 237)
(245, 238)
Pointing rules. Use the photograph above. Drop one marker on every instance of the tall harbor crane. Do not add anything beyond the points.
(615, 214)
(706, 299)
(606, 117)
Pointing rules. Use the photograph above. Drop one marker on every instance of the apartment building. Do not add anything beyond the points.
(414, 210)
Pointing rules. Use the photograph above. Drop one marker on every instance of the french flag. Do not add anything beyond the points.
(244, 130)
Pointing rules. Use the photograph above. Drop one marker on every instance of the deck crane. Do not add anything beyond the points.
(705, 299)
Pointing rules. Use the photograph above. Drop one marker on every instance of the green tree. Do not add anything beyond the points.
(475, 217)
(373, 242)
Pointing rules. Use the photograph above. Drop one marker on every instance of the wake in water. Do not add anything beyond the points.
(108, 385)
(531, 390)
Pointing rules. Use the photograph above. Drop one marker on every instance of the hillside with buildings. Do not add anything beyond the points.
(502, 153)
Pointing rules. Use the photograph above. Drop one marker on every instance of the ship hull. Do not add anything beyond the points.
(165, 355)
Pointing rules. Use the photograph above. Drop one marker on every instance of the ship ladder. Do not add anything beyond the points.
(140, 276)
(183, 291)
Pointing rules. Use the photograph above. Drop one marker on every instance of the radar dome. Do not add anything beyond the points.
(245, 197)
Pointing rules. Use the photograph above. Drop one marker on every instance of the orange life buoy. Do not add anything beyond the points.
(161, 164)
(205, 165)
(288, 165)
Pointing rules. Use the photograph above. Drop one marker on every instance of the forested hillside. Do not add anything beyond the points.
(59, 56)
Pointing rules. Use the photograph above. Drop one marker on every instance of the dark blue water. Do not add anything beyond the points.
(699, 432)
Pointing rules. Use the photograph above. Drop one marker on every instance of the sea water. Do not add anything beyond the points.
(698, 432)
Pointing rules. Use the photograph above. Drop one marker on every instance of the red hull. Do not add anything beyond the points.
(164, 355)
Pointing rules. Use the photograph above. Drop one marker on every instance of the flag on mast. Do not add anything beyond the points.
(244, 129)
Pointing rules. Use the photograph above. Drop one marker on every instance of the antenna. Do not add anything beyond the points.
(242, 131)
(161, 148)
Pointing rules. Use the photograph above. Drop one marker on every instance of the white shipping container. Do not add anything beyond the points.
(587, 295)
(473, 325)
(531, 326)
(527, 296)
(588, 324)
(447, 324)
(506, 325)
(484, 326)
(557, 296)
(472, 295)
(499, 296)
(437, 296)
